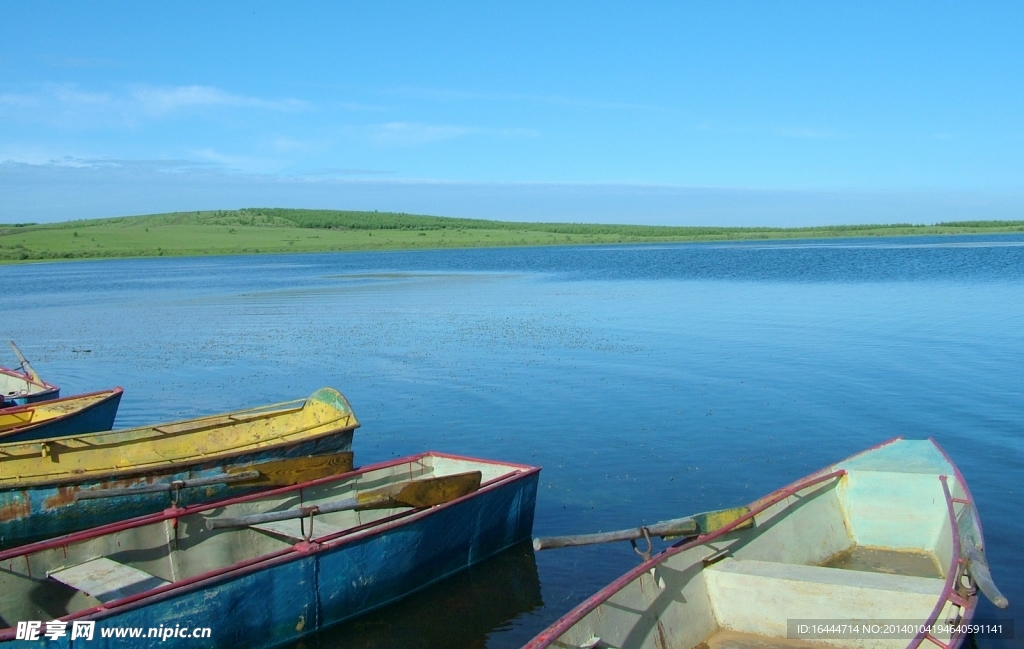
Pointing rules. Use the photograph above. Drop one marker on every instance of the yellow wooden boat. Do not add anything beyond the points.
(41, 481)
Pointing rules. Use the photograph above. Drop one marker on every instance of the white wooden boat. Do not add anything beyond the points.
(23, 386)
(890, 534)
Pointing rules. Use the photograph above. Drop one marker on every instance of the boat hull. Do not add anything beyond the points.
(302, 589)
(29, 515)
(322, 589)
(44, 505)
(97, 415)
(878, 536)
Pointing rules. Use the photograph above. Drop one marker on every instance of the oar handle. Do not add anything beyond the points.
(220, 478)
(25, 364)
(301, 512)
(978, 567)
(675, 527)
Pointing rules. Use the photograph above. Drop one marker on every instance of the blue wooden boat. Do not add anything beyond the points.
(23, 386)
(42, 481)
(82, 413)
(259, 582)
(890, 535)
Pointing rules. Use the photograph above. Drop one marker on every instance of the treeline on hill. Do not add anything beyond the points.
(979, 224)
(351, 220)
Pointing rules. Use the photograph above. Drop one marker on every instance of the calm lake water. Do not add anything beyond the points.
(649, 381)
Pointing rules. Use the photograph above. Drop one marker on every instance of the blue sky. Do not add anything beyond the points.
(724, 112)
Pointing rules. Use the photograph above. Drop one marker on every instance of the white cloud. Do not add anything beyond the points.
(157, 100)
(67, 105)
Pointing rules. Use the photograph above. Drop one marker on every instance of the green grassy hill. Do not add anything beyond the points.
(260, 230)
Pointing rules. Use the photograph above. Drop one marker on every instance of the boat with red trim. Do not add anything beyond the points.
(268, 568)
(889, 534)
(23, 386)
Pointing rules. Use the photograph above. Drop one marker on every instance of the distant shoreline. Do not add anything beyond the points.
(278, 230)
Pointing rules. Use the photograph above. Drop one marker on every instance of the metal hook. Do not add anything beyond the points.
(645, 555)
(302, 527)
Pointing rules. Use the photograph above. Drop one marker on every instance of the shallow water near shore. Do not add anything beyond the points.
(649, 382)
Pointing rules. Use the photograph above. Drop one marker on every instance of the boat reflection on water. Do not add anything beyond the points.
(460, 611)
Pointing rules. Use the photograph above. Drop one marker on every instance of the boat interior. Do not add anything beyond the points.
(98, 569)
(14, 384)
(873, 544)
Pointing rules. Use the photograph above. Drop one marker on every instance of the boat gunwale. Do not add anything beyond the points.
(112, 393)
(172, 512)
(47, 387)
(971, 602)
(269, 560)
(549, 635)
(952, 576)
(67, 477)
(963, 483)
(272, 410)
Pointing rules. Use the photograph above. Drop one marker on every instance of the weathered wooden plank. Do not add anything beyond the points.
(107, 580)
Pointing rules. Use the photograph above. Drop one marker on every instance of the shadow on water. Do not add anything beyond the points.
(461, 611)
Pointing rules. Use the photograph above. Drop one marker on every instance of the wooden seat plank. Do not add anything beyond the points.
(107, 580)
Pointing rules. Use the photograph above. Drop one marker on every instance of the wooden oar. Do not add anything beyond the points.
(278, 473)
(291, 471)
(978, 567)
(413, 493)
(24, 364)
(677, 527)
(159, 487)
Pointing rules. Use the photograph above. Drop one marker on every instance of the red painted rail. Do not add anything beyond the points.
(953, 575)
